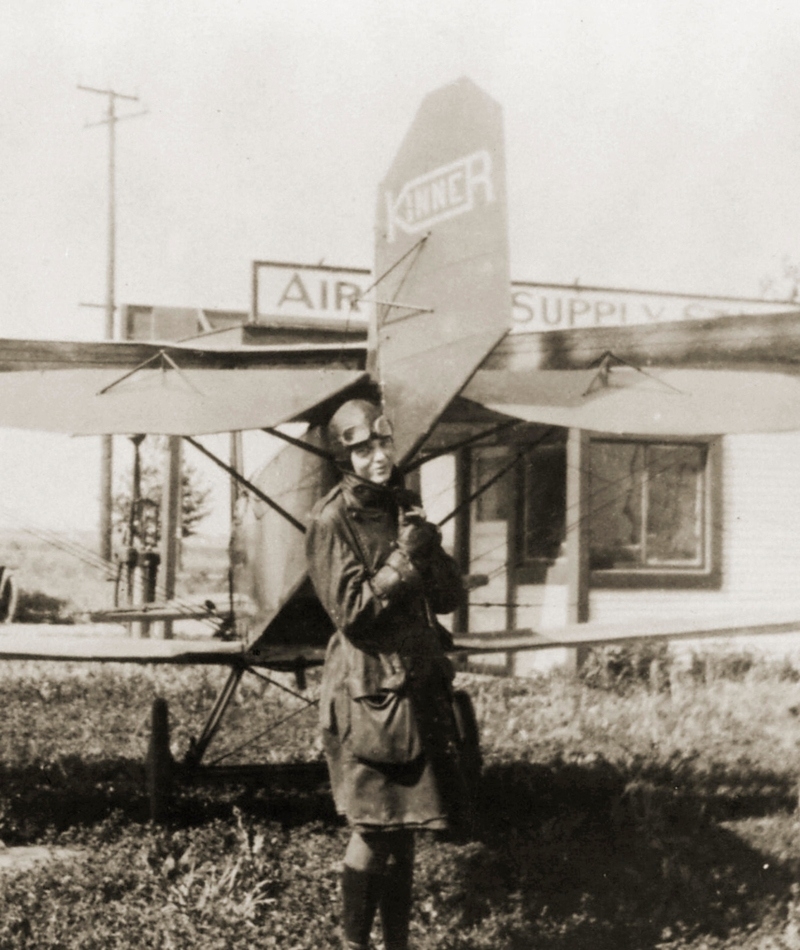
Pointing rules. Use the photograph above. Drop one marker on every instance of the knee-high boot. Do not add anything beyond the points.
(360, 894)
(395, 902)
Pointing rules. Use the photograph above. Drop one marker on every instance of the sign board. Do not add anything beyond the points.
(307, 293)
(538, 307)
(303, 292)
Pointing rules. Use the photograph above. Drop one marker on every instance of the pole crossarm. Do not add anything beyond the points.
(108, 92)
(262, 496)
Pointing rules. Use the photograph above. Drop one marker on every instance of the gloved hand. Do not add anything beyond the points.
(416, 537)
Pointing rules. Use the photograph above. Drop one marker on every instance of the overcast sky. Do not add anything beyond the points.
(649, 145)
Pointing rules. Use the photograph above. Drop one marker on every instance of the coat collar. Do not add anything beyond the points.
(365, 494)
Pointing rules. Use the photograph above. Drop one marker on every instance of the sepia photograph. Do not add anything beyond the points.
(399, 452)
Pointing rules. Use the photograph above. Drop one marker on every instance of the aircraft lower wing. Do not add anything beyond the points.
(169, 389)
(598, 635)
(16, 643)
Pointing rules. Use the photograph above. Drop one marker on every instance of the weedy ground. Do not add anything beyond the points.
(622, 810)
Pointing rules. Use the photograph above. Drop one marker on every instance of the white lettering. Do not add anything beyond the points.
(440, 194)
(455, 189)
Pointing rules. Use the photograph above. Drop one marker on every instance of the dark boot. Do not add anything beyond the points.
(395, 902)
(360, 892)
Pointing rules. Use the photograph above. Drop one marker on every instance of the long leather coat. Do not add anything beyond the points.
(386, 640)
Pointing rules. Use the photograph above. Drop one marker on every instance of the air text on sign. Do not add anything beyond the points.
(304, 292)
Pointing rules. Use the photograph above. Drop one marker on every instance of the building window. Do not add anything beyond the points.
(540, 523)
(652, 511)
(544, 502)
(492, 504)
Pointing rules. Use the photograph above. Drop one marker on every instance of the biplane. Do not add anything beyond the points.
(440, 356)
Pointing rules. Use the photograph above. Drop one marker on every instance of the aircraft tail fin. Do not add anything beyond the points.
(442, 285)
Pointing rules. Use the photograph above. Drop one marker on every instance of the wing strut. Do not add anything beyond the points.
(607, 362)
(167, 362)
(247, 484)
(298, 443)
(455, 446)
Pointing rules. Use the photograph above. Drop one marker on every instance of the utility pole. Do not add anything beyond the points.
(107, 445)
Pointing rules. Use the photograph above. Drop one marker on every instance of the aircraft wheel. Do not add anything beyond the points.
(8, 595)
(469, 734)
(159, 763)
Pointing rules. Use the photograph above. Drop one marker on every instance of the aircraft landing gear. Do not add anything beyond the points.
(159, 765)
(8, 596)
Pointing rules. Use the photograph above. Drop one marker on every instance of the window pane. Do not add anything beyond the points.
(492, 504)
(675, 504)
(545, 502)
(615, 504)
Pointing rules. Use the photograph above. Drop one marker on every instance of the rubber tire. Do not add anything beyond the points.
(469, 734)
(159, 762)
(8, 596)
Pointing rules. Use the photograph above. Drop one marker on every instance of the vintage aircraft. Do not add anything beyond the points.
(440, 356)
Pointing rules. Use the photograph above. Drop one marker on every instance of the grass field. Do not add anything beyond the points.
(620, 811)
(615, 817)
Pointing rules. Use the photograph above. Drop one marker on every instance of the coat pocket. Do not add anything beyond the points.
(383, 728)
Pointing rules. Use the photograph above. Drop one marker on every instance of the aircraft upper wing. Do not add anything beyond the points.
(726, 375)
(169, 389)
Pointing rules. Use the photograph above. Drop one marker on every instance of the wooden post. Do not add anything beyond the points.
(236, 462)
(461, 543)
(171, 522)
(577, 531)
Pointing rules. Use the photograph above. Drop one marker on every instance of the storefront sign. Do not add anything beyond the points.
(303, 292)
(550, 307)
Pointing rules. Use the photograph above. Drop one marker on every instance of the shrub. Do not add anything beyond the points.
(38, 607)
(618, 669)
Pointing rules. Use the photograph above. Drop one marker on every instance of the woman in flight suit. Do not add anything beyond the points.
(386, 706)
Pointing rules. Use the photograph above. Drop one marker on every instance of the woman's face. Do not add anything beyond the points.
(374, 460)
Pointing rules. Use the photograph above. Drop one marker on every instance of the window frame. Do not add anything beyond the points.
(709, 574)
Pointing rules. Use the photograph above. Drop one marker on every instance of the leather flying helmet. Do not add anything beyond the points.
(354, 422)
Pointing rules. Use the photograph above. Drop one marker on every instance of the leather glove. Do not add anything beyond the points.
(416, 537)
